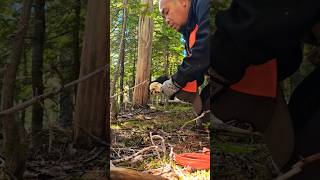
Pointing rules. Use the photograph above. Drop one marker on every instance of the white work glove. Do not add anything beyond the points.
(170, 88)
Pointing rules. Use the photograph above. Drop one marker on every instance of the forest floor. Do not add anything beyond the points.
(56, 158)
(131, 133)
(234, 156)
(241, 157)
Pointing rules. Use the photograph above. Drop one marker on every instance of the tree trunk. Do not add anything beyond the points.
(114, 81)
(14, 142)
(122, 48)
(114, 108)
(140, 94)
(120, 65)
(37, 66)
(133, 71)
(91, 115)
(70, 74)
(66, 108)
(166, 72)
(25, 83)
(166, 63)
(76, 42)
(132, 79)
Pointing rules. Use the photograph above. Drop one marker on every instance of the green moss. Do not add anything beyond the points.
(115, 126)
(237, 148)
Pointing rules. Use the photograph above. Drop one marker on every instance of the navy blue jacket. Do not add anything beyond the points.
(194, 66)
(249, 32)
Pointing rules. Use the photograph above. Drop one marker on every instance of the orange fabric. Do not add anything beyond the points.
(192, 86)
(193, 35)
(259, 80)
(194, 160)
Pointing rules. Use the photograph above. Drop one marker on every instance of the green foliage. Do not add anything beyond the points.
(166, 42)
(58, 52)
(163, 36)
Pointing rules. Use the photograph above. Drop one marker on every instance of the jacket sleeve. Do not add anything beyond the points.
(194, 66)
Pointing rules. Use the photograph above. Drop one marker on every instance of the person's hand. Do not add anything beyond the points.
(155, 87)
(170, 88)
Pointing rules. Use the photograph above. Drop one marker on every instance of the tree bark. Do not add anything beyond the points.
(140, 94)
(91, 115)
(114, 108)
(14, 142)
(66, 108)
(166, 63)
(132, 78)
(122, 48)
(114, 81)
(120, 65)
(67, 97)
(37, 66)
(76, 42)
(133, 70)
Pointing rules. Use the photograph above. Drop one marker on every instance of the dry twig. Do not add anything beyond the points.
(297, 168)
(163, 144)
(95, 155)
(200, 116)
(134, 155)
(219, 125)
(115, 95)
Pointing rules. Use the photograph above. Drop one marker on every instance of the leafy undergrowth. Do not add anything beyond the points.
(132, 131)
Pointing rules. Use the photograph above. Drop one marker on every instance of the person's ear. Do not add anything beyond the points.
(183, 2)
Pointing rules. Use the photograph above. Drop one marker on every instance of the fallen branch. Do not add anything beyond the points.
(10, 174)
(175, 101)
(297, 168)
(160, 171)
(123, 173)
(95, 155)
(134, 155)
(118, 94)
(5, 169)
(201, 115)
(219, 125)
(35, 99)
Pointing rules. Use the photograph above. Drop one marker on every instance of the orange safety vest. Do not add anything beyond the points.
(259, 80)
(191, 86)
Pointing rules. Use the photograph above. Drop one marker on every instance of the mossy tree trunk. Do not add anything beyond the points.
(13, 135)
(91, 112)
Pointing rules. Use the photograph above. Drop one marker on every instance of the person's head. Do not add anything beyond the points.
(175, 12)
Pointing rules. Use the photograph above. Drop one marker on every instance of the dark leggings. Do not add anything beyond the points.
(305, 112)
